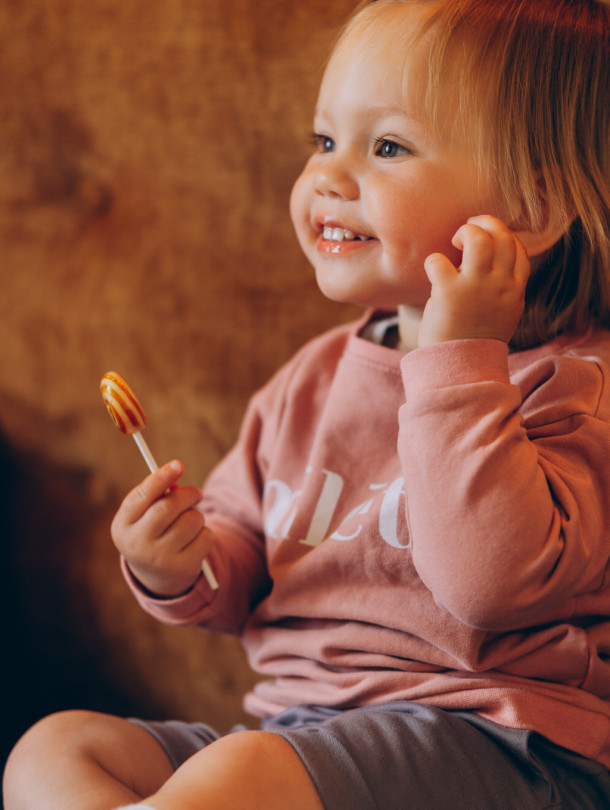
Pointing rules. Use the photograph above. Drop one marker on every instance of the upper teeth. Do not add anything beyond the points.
(340, 234)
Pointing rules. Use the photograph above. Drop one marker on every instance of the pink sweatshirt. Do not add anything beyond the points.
(432, 526)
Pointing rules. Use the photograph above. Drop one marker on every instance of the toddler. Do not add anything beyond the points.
(412, 532)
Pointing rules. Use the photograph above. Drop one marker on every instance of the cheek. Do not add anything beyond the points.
(395, 209)
(400, 222)
(414, 225)
(299, 206)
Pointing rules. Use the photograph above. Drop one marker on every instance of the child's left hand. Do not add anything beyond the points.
(484, 297)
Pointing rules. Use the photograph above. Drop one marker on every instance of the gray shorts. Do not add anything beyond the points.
(411, 756)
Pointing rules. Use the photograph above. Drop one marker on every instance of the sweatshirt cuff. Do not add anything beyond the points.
(455, 362)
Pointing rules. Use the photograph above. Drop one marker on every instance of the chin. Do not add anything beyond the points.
(338, 294)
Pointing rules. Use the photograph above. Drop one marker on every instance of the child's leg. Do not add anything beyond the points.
(83, 761)
(257, 770)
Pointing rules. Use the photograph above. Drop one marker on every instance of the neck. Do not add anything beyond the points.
(409, 319)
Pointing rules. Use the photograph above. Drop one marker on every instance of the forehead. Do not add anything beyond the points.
(399, 26)
(394, 40)
(377, 44)
(386, 50)
(410, 46)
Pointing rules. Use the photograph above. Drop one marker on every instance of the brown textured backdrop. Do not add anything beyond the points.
(147, 152)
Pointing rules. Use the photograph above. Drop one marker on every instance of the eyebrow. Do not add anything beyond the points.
(380, 110)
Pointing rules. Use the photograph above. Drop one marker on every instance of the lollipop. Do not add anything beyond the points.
(126, 412)
(128, 415)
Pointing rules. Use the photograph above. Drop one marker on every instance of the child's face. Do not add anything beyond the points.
(379, 172)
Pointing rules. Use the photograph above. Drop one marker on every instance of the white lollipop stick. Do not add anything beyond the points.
(128, 415)
(145, 450)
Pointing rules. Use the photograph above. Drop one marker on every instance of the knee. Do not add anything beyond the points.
(252, 751)
(255, 769)
(49, 737)
(60, 729)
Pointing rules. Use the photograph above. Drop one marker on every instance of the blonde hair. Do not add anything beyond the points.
(533, 94)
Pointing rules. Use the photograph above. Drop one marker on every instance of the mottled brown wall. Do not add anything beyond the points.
(147, 151)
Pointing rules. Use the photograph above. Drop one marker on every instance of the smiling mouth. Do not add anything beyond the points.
(338, 241)
(333, 234)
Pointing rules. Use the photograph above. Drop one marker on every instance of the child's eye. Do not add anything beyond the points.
(322, 143)
(389, 149)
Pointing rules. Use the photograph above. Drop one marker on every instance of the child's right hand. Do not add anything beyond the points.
(161, 534)
(483, 297)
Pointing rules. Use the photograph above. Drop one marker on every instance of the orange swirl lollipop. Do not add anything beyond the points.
(126, 412)
(128, 415)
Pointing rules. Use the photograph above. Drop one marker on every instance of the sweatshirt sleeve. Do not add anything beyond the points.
(507, 497)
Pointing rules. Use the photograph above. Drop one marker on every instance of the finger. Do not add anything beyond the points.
(511, 254)
(438, 268)
(163, 513)
(522, 263)
(477, 246)
(487, 223)
(180, 552)
(200, 543)
(153, 487)
(504, 241)
(187, 528)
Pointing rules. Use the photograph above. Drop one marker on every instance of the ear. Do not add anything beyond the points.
(553, 227)
(538, 242)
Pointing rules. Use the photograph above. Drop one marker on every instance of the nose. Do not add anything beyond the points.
(334, 179)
